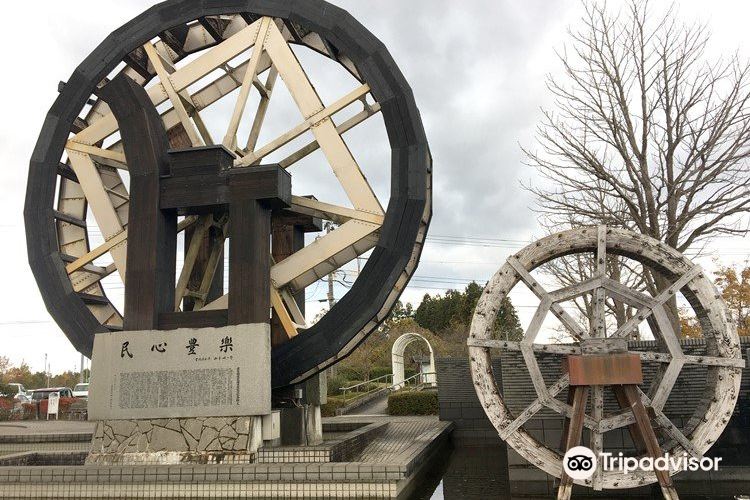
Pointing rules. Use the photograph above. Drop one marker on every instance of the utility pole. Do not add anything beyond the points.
(46, 368)
(80, 378)
(331, 297)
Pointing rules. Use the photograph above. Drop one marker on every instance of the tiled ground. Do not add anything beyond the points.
(384, 468)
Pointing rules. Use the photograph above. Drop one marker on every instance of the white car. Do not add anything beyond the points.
(81, 391)
(20, 393)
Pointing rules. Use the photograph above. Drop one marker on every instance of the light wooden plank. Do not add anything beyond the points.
(230, 139)
(101, 205)
(172, 93)
(313, 122)
(336, 213)
(341, 129)
(260, 113)
(537, 289)
(284, 318)
(599, 320)
(339, 157)
(190, 257)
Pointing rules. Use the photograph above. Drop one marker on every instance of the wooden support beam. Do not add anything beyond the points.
(643, 424)
(230, 139)
(149, 288)
(249, 243)
(573, 434)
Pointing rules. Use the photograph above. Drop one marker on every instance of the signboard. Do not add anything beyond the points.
(53, 405)
(190, 372)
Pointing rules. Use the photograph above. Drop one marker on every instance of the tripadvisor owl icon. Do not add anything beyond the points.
(579, 463)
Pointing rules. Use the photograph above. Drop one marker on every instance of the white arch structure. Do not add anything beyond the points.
(397, 359)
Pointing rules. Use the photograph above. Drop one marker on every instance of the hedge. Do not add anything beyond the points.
(333, 403)
(413, 403)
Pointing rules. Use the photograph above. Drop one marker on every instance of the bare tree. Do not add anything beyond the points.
(646, 133)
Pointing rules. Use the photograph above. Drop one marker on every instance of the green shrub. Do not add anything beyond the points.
(379, 371)
(413, 403)
(333, 404)
(334, 383)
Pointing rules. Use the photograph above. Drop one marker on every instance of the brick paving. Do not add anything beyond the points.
(401, 434)
(385, 468)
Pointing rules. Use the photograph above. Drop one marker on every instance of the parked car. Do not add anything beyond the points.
(43, 394)
(81, 391)
(20, 394)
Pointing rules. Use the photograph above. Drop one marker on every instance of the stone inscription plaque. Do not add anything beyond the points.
(206, 372)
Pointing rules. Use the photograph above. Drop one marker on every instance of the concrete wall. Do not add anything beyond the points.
(459, 404)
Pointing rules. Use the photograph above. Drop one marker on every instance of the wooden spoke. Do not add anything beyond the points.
(341, 129)
(107, 157)
(566, 319)
(644, 312)
(94, 254)
(337, 153)
(281, 311)
(319, 258)
(575, 290)
(323, 255)
(625, 294)
(187, 100)
(598, 327)
(116, 240)
(311, 123)
(535, 406)
(230, 139)
(101, 205)
(509, 345)
(172, 93)
(331, 212)
(181, 80)
(90, 275)
(566, 411)
(293, 307)
(714, 361)
(191, 255)
(260, 113)
(669, 428)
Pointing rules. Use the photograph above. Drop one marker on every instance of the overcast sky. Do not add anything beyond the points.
(477, 69)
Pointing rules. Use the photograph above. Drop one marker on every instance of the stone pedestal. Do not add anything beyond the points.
(187, 395)
(176, 440)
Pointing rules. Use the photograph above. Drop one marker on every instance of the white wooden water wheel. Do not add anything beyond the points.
(722, 359)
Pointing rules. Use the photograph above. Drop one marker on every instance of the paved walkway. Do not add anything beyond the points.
(401, 434)
(378, 406)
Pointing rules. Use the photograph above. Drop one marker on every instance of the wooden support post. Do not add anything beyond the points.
(635, 435)
(249, 244)
(648, 438)
(573, 435)
(152, 240)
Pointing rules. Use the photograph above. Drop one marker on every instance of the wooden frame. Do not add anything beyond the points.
(723, 359)
(395, 237)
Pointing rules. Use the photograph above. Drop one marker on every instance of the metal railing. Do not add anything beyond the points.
(363, 388)
(416, 381)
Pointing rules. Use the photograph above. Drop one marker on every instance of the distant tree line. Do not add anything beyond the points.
(23, 375)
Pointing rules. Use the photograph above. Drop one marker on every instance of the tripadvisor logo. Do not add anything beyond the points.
(580, 463)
